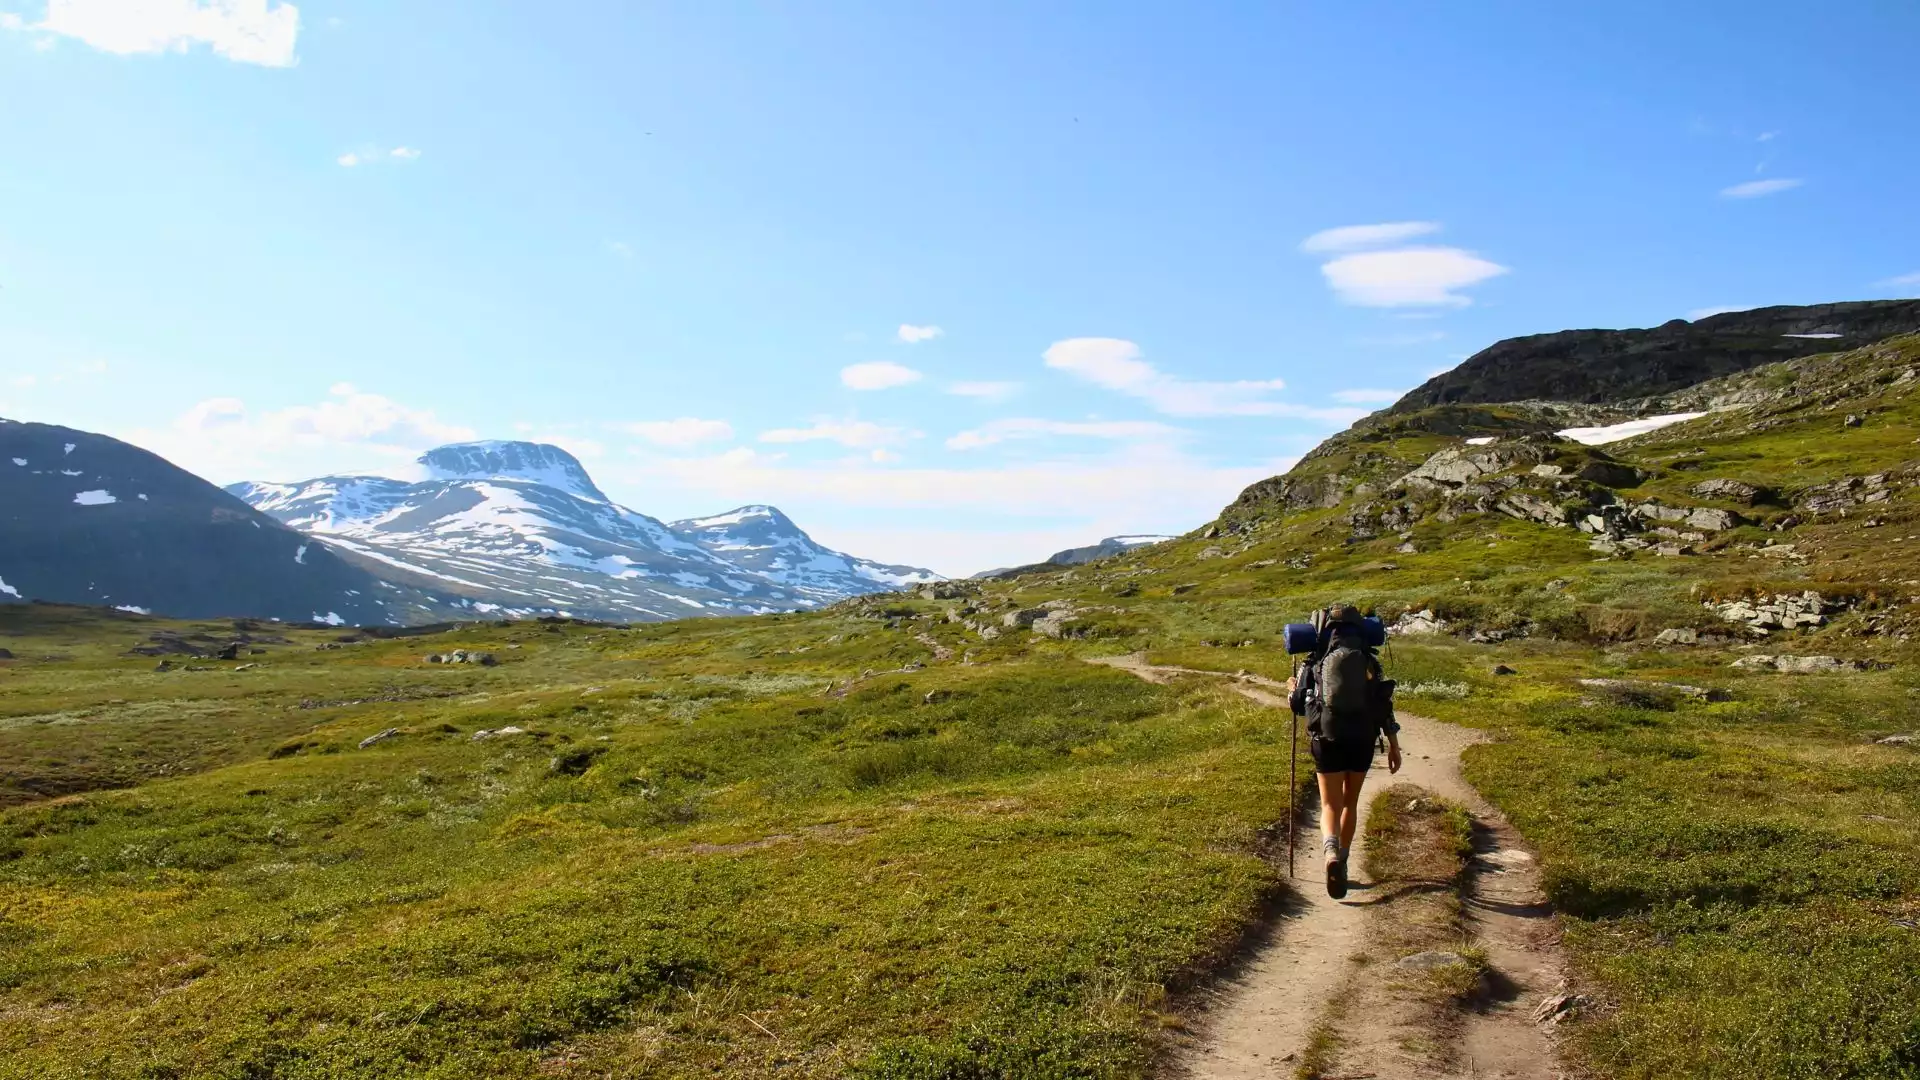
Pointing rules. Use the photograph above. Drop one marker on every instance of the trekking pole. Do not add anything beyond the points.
(1293, 785)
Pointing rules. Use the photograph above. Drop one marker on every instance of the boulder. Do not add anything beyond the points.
(1609, 474)
(6, 654)
(497, 733)
(229, 651)
(1713, 520)
(378, 738)
(1899, 740)
(1023, 617)
(1502, 669)
(1733, 491)
(1415, 623)
(1678, 635)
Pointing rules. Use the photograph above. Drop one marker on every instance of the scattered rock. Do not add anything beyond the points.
(1853, 420)
(1559, 1006)
(381, 737)
(1261, 564)
(1808, 665)
(1635, 690)
(498, 733)
(463, 656)
(1502, 669)
(936, 696)
(164, 665)
(1678, 635)
(1185, 587)
(1784, 611)
(1415, 623)
(246, 667)
(229, 651)
(1210, 552)
(1899, 740)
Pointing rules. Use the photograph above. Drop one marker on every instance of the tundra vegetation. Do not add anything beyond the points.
(916, 836)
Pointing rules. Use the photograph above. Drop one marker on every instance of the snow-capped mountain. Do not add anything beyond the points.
(88, 519)
(519, 528)
(765, 541)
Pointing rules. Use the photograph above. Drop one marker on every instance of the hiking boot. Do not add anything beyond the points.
(1337, 878)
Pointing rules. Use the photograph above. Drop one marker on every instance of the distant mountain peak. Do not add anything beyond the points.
(528, 462)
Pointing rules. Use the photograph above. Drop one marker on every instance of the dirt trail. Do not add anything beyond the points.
(1262, 1012)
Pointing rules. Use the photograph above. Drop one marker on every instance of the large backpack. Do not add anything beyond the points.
(1349, 699)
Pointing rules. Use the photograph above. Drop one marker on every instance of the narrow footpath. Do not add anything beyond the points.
(1259, 1017)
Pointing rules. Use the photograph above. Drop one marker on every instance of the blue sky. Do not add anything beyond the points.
(952, 284)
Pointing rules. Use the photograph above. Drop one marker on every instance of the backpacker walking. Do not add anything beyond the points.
(1348, 703)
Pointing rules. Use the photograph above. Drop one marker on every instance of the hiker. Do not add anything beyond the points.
(1348, 703)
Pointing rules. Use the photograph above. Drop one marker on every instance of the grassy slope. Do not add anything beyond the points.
(700, 858)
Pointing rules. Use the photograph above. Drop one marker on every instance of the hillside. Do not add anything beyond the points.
(1600, 366)
(89, 519)
(918, 835)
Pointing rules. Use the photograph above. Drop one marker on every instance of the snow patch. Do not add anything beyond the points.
(134, 608)
(1598, 436)
(72, 472)
(330, 618)
(143, 496)
(69, 448)
(20, 461)
(1816, 337)
(93, 498)
(1483, 440)
(300, 555)
(8, 590)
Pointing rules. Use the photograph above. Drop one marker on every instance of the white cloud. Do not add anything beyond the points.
(1767, 136)
(998, 431)
(681, 434)
(1001, 516)
(1116, 365)
(1755, 188)
(1707, 312)
(1368, 397)
(367, 155)
(1355, 237)
(883, 456)
(246, 31)
(1408, 277)
(877, 375)
(985, 391)
(913, 335)
(618, 248)
(11, 21)
(1902, 281)
(224, 440)
(856, 434)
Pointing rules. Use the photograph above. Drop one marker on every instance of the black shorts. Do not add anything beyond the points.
(1331, 757)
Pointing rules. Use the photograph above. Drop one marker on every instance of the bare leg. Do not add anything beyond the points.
(1350, 808)
(1332, 798)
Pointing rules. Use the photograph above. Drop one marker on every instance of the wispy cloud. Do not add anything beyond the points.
(1368, 397)
(1753, 189)
(856, 434)
(245, 31)
(1116, 365)
(371, 156)
(1356, 237)
(984, 391)
(1409, 277)
(619, 249)
(1767, 136)
(1022, 427)
(913, 335)
(877, 375)
(1901, 282)
(681, 434)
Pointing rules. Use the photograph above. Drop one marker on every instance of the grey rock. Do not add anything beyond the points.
(1807, 665)
(1416, 623)
(1734, 491)
(497, 733)
(1430, 960)
(1899, 740)
(1023, 617)
(1502, 669)
(1678, 635)
(1713, 520)
(1609, 474)
(379, 738)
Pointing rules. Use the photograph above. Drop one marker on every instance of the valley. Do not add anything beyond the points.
(932, 833)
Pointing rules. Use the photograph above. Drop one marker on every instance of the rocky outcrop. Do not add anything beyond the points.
(1851, 491)
(1733, 491)
(1808, 665)
(462, 656)
(1808, 610)
(1417, 623)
